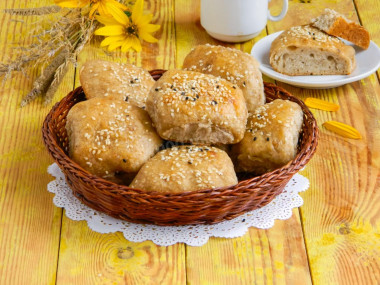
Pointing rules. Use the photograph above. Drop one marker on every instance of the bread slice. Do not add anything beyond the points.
(337, 25)
(305, 50)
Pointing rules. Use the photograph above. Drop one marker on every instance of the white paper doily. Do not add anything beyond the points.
(263, 218)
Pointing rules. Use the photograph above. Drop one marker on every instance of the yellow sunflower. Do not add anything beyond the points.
(126, 32)
(96, 5)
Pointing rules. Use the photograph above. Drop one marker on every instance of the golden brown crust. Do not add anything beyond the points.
(336, 24)
(188, 106)
(271, 138)
(110, 138)
(350, 31)
(233, 65)
(118, 81)
(186, 168)
(308, 42)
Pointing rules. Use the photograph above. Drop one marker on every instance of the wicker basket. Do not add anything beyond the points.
(199, 207)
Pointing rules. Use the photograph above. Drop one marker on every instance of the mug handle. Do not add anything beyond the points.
(282, 14)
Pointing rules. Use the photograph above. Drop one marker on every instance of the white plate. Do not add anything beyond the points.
(367, 62)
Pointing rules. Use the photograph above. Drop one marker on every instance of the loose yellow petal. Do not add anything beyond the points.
(118, 14)
(109, 40)
(113, 30)
(103, 9)
(342, 129)
(119, 5)
(321, 105)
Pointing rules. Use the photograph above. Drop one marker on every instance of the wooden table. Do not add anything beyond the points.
(334, 238)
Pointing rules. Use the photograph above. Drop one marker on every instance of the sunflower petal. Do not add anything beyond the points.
(106, 20)
(135, 43)
(103, 9)
(151, 28)
(119, 5)
(109, 40)
(137, 11)
(147, 37)
(118, 14)
(126, 46)
(93, 9)
(113, 30)
(115, 45)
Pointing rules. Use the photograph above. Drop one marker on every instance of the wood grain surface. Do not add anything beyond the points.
(29, 222)
(334, 238)
(340, 215)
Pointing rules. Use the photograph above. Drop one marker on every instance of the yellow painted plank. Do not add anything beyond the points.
(340, 213)
(87, 257)
(29, 222)
(276, 256)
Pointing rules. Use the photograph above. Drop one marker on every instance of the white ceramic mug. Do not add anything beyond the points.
(237, 20)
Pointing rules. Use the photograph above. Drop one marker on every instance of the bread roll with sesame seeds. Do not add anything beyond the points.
(305, 50)
(186, 168)
(192, 107)
(118, 81)
(233, 65)
(111, 139)
(271, 138)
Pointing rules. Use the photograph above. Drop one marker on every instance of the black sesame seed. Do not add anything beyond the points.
(313, 38)
(187, 98)
(189, 162)
(243, 220)
(197, 96)
(156, 89)
(255, 138)
(143, 107)
(244, 83)
(174, 89)
(201, 149)
(213, 102)
(193, 88)
(234, 87)
(171, 87)
(267, 139)
(131, 82)
(124, 160)
(126, 99)
(217, 86)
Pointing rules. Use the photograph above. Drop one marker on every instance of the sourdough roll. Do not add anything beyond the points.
(271, 138)
(186, 168)
(188, 106)
(111, 139)
(305, 50)
(233, 65)
(338, 25)
(118, 81)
